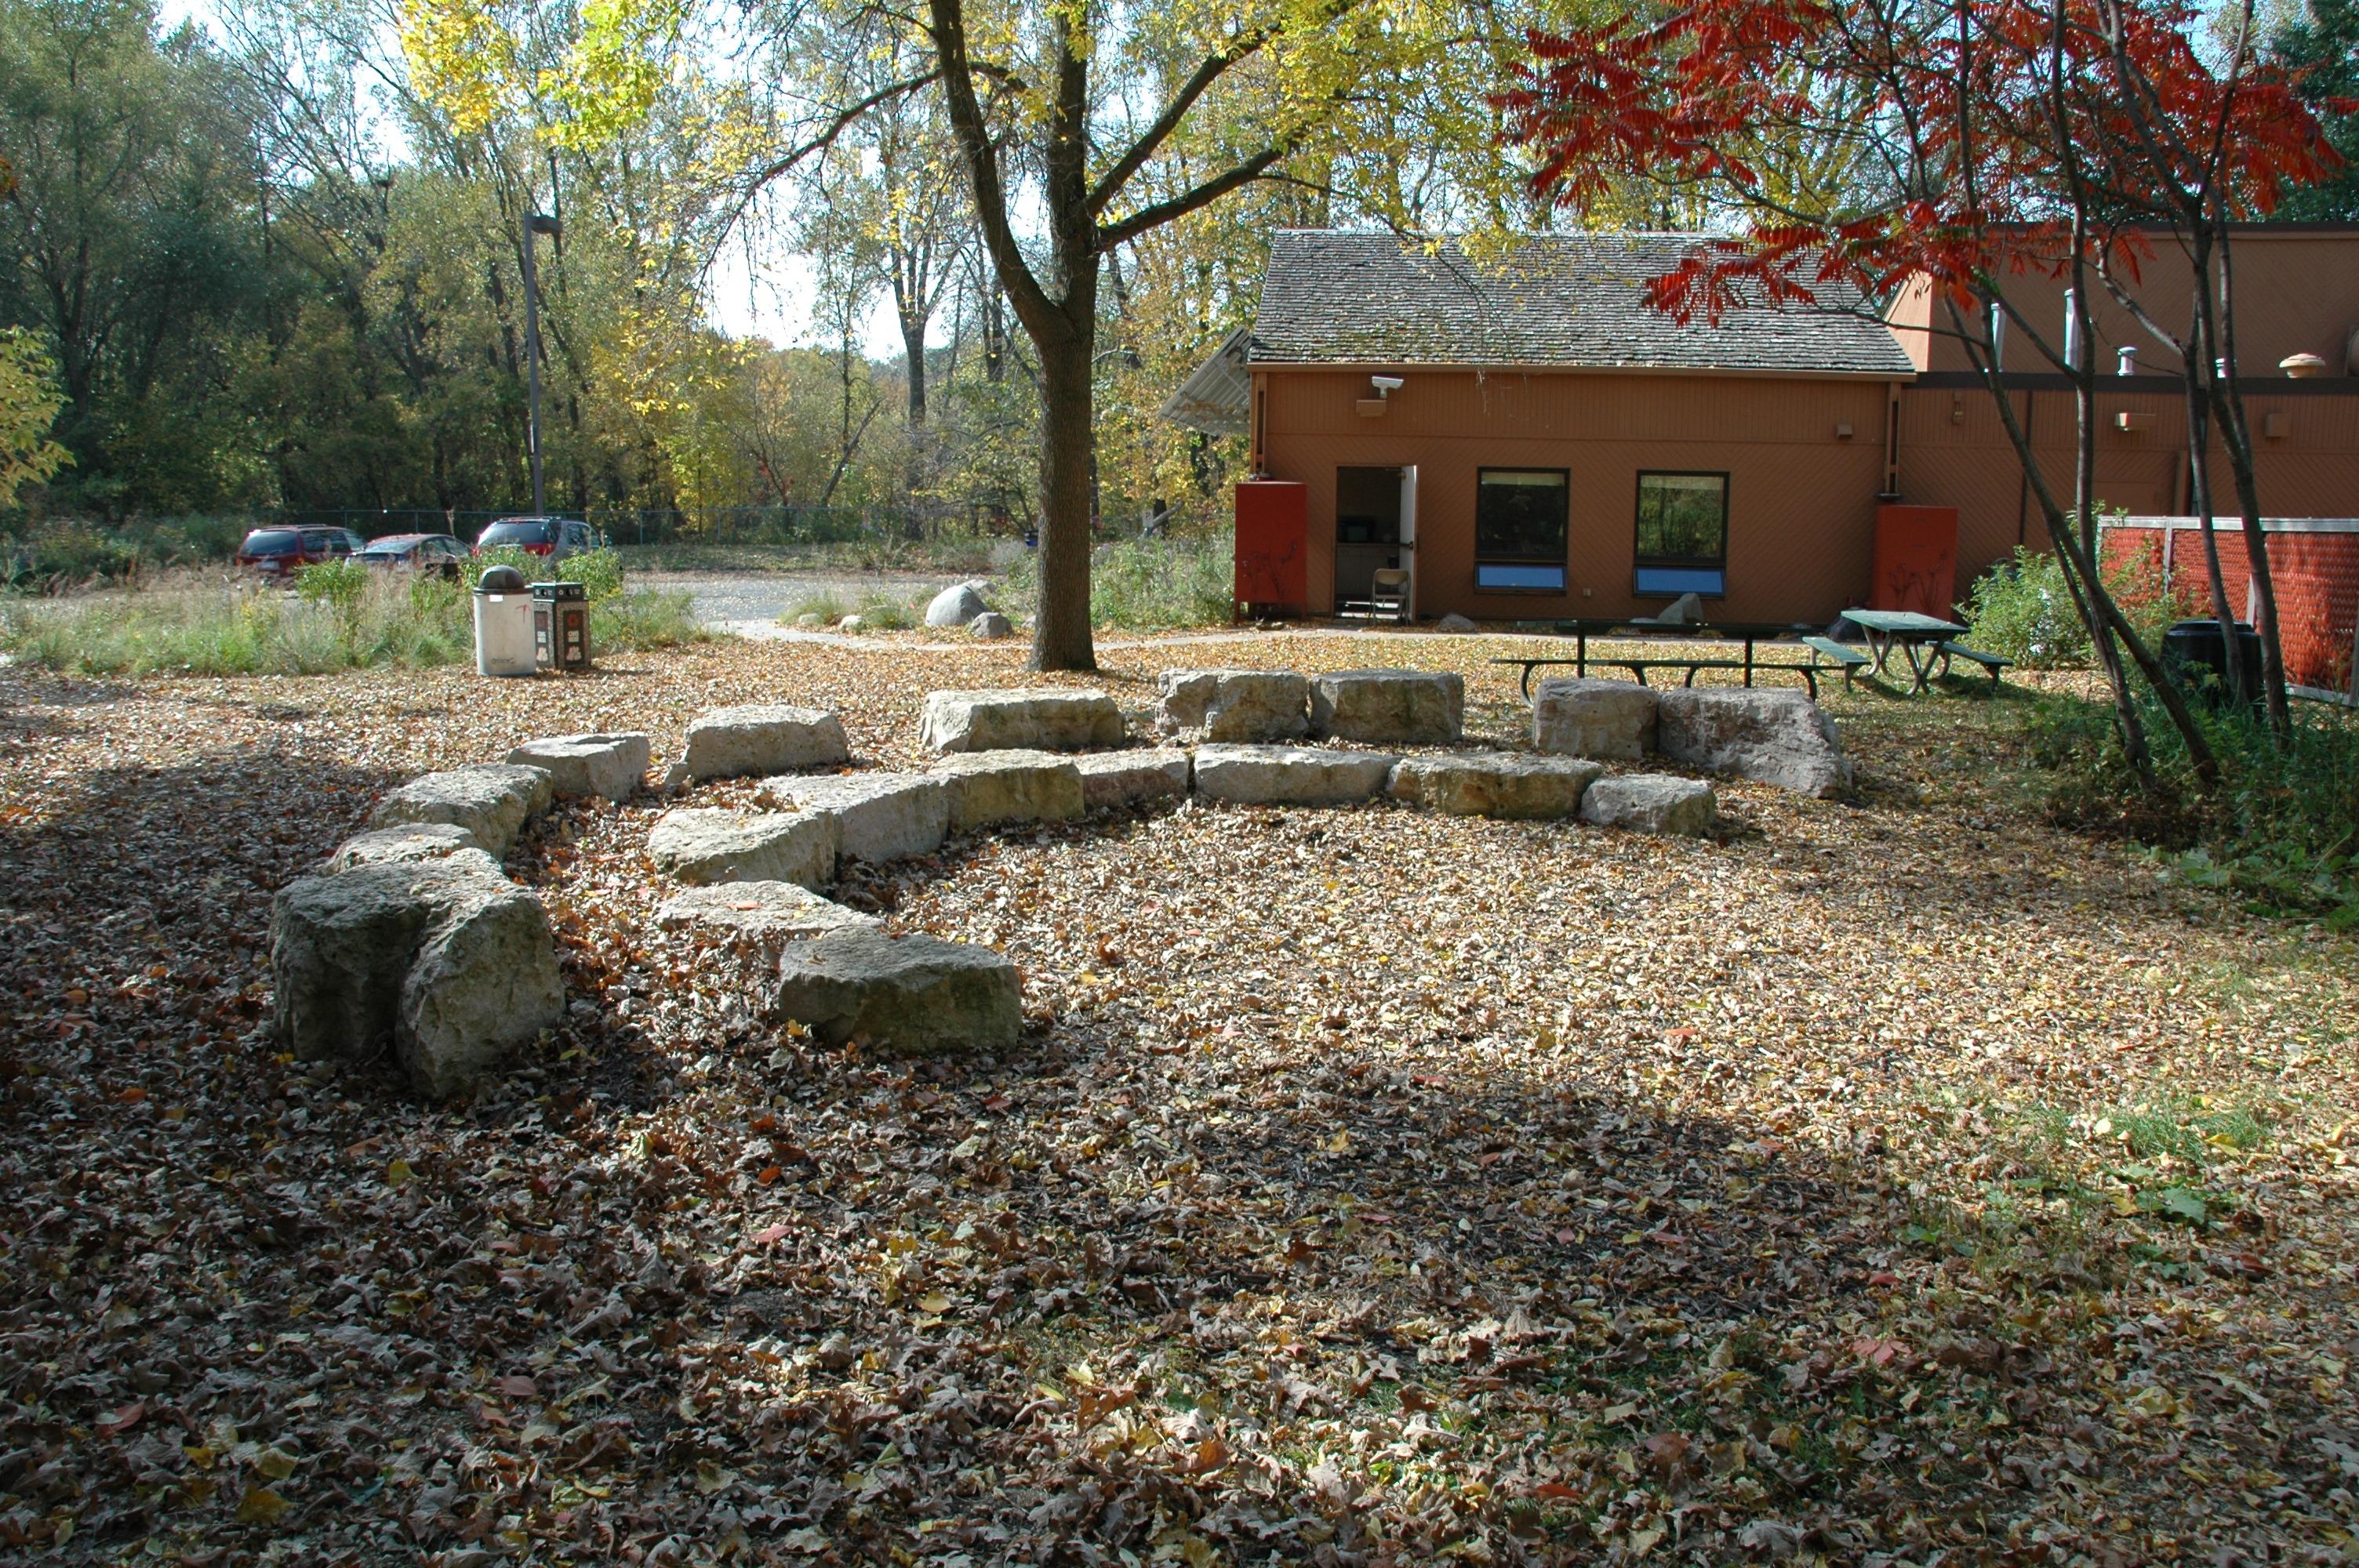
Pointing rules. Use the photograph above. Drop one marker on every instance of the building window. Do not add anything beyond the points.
(1519, 530)
(1682, 535)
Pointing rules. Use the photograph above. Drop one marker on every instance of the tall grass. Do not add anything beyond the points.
(340, 618)
(1147, 585)
(62, 554)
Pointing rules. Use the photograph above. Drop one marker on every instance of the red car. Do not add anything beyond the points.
(278, 552)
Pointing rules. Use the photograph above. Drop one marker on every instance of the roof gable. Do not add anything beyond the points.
(1575, 300)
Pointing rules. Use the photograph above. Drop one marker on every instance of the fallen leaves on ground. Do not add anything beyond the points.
(1884, 1182)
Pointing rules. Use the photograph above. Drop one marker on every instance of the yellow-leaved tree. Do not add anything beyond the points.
(29, 401)
(1081, 127)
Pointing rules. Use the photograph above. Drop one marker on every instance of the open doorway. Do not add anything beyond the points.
(1368, 529)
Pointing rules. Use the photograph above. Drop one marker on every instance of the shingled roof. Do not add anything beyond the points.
(1576, 300)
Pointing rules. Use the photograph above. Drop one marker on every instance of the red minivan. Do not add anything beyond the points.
(276, 552)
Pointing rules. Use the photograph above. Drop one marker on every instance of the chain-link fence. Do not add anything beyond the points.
(710, 525)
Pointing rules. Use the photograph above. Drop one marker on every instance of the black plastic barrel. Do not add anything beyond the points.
(2197, 655)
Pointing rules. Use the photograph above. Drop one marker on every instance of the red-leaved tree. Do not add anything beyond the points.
(1998, 139)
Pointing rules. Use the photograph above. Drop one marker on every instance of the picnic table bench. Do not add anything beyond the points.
(1747, 634)
(1926, 642)
(1993, 663)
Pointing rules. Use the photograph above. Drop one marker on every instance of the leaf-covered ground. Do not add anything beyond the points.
(1891, 1182)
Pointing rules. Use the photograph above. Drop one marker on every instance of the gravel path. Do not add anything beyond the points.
(748, 602)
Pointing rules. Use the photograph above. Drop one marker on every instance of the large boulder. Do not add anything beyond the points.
(708, 844)
(1577, 716)
(485, 984)
(773, 913)
(988, 788)
(445, 961)
(1044, 720)
(771, 738)
(608, 766)
(957, 605)
(879, 816)
(1494, 783)
(409, 842)
(1780, 738)
(1289, 775)
(1252, 706)
(915, 995)
(1388, 708)
(1126, 778)
(490, 801)
(1650, 803)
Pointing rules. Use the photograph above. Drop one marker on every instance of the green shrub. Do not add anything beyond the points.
(2021, 608)
(340, 583)
(2282, 830)
(599, 571)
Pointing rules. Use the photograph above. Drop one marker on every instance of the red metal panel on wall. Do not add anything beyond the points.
(1915, 561)
(1273, 531)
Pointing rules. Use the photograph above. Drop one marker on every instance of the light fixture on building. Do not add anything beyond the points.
(1384, 385)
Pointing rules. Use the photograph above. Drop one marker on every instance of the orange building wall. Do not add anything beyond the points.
(1801, 501)
(2295, 291)
(1954, 451)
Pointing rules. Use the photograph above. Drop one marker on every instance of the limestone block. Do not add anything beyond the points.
(1289, 775)
(1650, 803)
(1388, 708)
(1127, 778)
(879, 816)
(914, 995)
(1251, 706)
(1578, 716)
(1773, 737)
(491, 801)
(988, 788)
(700, 844)
(1494, 783)
(771, 738)
(607, 766)
(1048, 720)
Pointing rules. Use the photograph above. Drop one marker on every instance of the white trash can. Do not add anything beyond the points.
(504, 625)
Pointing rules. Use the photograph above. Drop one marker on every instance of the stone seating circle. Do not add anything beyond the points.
(411, 938)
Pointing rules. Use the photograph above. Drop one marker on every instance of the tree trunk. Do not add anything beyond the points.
(913, 346)
(1060, 629)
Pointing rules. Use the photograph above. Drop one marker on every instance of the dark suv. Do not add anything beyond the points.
(555, 537)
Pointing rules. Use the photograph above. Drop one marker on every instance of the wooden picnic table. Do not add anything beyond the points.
(1747, 633)
(1918, 638)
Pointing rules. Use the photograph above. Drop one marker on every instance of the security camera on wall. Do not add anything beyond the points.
(1386, 385)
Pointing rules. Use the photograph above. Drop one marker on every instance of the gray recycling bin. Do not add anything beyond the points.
(504, 625)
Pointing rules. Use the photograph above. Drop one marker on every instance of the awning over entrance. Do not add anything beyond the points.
(1216, 396)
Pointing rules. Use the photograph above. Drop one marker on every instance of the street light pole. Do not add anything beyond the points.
(536, 223)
